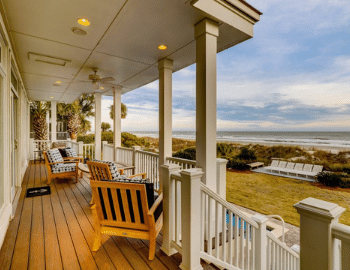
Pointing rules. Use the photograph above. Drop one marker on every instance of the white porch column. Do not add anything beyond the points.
(316, 245)
(53, 120)
(165, 67)
(206, 33)
(98, 113)
(117, 119)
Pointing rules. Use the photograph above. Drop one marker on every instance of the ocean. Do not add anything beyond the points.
(318, 140)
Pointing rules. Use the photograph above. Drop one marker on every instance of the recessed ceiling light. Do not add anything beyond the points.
(51, 97)
(101, 87)
(78, 31)
(84, 21)
(162, 47)
(58, 82)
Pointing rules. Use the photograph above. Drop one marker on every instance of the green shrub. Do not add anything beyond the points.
(87, 139)
(188, 153)
(237, 164)
(225, 150)
(246, 154)
(328, 178)
(344, 182)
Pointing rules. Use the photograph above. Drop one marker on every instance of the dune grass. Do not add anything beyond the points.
(270, 194)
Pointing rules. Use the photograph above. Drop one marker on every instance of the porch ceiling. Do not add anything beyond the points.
(122, 40)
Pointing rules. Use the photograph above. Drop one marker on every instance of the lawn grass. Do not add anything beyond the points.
(268, 194)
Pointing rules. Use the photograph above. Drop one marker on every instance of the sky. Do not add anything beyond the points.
(294, 75)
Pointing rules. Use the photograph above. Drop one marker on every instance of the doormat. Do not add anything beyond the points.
(32, 192)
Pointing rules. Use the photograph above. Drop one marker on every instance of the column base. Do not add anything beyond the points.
(167, 251)
(183, 267)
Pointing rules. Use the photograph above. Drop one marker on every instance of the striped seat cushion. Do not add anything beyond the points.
(61, 167)
(112, 167)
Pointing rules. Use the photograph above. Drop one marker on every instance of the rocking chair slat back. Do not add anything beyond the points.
(99, 171)
(121, 204)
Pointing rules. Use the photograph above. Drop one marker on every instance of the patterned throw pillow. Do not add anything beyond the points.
(54, 156)
(61, 167)
(112, 167)
(70, 152)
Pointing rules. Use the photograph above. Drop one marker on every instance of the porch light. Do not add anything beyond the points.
(58, 82)
(84, 21)
(162, 47)
(101, 87)
(51, 97)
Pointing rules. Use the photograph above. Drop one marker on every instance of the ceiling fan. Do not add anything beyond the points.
(97, 81)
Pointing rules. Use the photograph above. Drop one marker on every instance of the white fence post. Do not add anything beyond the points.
(260, 242)
(81, 149)
(221, 177)
(104, 150)
(190, 218)
(316, 220)
(168, 206)
(32, 148)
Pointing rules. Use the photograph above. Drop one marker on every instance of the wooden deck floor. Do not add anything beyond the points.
(56, 232)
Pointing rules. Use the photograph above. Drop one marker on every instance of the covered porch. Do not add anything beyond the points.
(56, 232)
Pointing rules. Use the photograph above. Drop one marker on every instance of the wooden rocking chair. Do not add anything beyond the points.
(53, 174)
(121, 209)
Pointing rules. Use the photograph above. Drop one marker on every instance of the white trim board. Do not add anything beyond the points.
(5, 217)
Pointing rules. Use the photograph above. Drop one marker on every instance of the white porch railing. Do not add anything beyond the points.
(107, 152)
(227, 235)
(82, 150)
(125, 155)
(279, 255)
(89, 151)
(200, 224)
(341, 239)
(148, 162)
(184, 163)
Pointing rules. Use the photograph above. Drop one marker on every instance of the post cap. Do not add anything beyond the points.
(196, 172)
(319, 208)
(260, 219)
(221, 160)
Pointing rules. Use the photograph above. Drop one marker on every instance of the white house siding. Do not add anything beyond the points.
(8, 63)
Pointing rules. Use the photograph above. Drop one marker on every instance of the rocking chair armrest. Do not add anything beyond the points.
(80, 159)
(143, 175)
(155, 205)
(67, 161)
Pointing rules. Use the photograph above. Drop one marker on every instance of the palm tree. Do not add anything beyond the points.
(124, 111)
(39, 110)
(76, 114)
(105, 126)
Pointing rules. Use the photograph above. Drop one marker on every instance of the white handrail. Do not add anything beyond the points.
(184, 163)
(283, 223)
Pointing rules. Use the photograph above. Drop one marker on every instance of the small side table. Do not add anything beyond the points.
(83, 168)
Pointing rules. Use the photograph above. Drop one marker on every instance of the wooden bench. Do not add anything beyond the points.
(255, 165)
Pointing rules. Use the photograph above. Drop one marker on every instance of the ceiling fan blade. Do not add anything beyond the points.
(107, 79)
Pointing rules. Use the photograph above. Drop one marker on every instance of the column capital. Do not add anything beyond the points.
(165, 63)
(319, 209)
(206, 26)
(117, 88)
